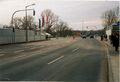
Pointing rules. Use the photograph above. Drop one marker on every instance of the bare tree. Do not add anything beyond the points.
(30, 23)
(17, 22)
(63, 29)
(55, 26)
(109, 17)
(20, 23)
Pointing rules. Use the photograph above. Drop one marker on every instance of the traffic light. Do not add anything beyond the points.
(33, 12)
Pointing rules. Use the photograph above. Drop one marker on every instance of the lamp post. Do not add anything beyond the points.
(82, 24)
(26, 20)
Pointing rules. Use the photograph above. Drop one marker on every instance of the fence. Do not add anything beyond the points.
(7, 36)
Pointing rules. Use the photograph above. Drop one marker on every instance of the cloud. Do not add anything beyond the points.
(82, 25)
(70, 11)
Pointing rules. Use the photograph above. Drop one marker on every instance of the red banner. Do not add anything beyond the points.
(46, 22)
(43, 21)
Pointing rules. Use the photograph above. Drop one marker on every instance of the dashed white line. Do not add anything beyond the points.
(75, 49)
(2, 54)
(7, 79)
(32, 48)
(4, 79)
(42, 46)
(55, 60)
(18, 51)
(21, 56)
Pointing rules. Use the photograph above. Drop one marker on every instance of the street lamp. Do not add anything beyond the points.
(26, 20)
(29, 5)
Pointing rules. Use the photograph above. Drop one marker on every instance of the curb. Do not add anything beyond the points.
(110, 71)
(110, 77)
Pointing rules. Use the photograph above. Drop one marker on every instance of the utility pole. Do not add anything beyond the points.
(82, 26)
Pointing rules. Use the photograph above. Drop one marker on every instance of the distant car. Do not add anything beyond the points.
(91, 36)
(84, 36)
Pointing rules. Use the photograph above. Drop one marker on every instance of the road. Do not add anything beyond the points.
(83, 60)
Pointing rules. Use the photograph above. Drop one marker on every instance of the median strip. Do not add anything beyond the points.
(56, 60)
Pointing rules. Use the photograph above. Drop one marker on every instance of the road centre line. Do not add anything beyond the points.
(33, 48)
(55, 60)
(5, 79)
(21, 56)
(75, 49)
(18, 51)
(2, 54)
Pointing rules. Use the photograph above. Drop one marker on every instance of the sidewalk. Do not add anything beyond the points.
(114, 60)
(114, 64)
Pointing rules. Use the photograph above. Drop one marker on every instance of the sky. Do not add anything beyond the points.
(75, 12)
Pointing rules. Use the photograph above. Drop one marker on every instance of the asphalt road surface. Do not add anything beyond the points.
(82, 61)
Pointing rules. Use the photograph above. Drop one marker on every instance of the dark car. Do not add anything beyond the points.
(84, 36)
(91, 36)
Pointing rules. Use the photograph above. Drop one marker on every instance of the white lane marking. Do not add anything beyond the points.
(75, 49)
(55, 60)
(42, 46)
(18, 51)
(21, 56)
(32, 48)
(2, 54)
(7, 79)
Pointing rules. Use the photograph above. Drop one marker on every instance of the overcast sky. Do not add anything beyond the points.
(71, 11)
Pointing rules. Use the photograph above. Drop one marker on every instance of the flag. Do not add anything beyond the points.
(42, 21)
(39, 23)
(46, 22)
